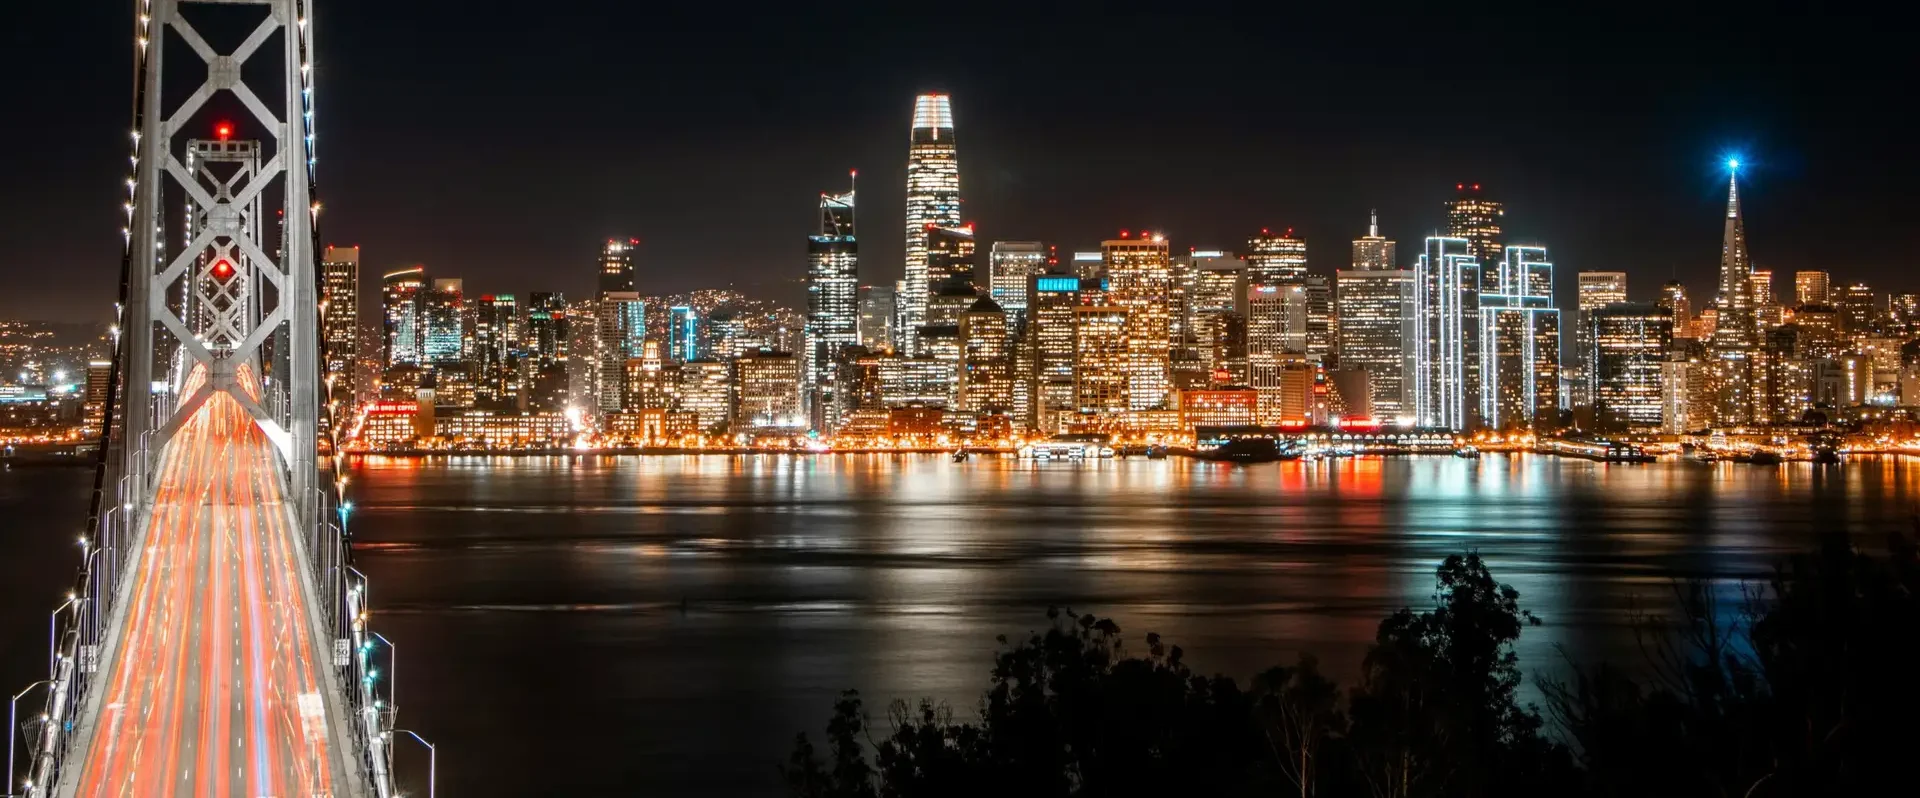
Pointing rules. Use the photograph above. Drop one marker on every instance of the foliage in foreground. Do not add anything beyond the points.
(1807, 689)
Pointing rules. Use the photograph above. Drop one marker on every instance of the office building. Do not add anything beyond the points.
(1102, 363)
(340, 322)
(1520, 343)
(1375, 301)
(443, 310)
(546, 343)
(706, 390)
(1322, 323)
(622, 319)
(1630, 344)
(652, 380)
(1476, 219)
(616, 265)
(923, 381)
(1139, 282)
(1276, 337)
(833, 310)
(986, 367)
(1050, 342)
(400, 306)
(1811, 288)
(683, 333)
(1276, 259)
(497, 352)
(766, 393)
(876, 317)
(1855, 302)
(1673, 299)
(1592, 291)
(1011, 265)
(933, 201)
(1446, 380)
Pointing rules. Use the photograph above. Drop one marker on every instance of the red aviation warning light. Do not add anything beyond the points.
(223, 130)
(222, 269)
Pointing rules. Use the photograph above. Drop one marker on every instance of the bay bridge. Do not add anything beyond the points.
(216, 642)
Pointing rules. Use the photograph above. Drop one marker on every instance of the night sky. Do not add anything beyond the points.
(503, 142)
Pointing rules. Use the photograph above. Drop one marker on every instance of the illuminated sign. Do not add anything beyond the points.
(1086, 257)
(1057, 284)
(1209, 253)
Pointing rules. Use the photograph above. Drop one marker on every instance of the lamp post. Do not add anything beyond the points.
(53, 622)
(13, 725)
(433, 756)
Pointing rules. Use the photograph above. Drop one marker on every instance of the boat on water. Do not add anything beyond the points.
(1468, 452)
(1251, 450)
(1826, 456)
(960, 456)
(1764, 457)
(1156, 453)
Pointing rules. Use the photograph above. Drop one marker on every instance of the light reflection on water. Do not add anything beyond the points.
(692, 613)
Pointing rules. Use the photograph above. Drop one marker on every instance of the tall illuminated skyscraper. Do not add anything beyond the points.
(496, 333)
(1812, 288)
(1592, 291)
(1140, 281)
(1377, 324)
(340, 324)
(1736, 329)
(620, 322)
(833, 308)
(1446, 385)
(400, 306)
(933, 200)
(877, 313)
(616, 265)
(1520, 342)
(1673, 299)
(1477, 219)
(1630, 343)
(1053, 300)
(444, 312)
(683, 333)
(546, 343)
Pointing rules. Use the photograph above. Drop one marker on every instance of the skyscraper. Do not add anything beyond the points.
(400, 300)
(444, 313)
(1140, 281)
(1592, 291)
(933, 200)
(683, 333)
(1811, 288)
(1476, 219)
(833, 310)
(1102, 360)
(496, 334)
(1276, 343)
(876, 316)
(1630, 343)
(986, 369)
(1377, 324)
(1673, 300)
(1275, 259)
(1010, 267)
(340, 325)
(546, 344)
(1735, 330)
(1052, 302)
(1446, 385)
(622, 319)
(1520, 342)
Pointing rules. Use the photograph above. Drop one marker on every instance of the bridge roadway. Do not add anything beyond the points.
(215, 680)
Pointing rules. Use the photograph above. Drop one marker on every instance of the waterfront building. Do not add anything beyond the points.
(833, 310)
(1011, 266)
(1101, 365)
(1052, 300)
(767, 393)
(1592, 291)
(497, 352)
(1213, 331)
(985, 369)
(1322, 323)
(400, 306)
(1375, 302)
(1786, 373)
(1630, 344)
(444, 313)
(876, 316)
(652, 381)
(1684, 389)
(1811, 288)
(340, 323)
(706, 390)
(1476, 219)
(622, 321)
(923, 381)
(933, 201)
(1276, 336)
(1520, 342)
(1736, 327)
(1446, 383)
(1139, 282)
(582, 335)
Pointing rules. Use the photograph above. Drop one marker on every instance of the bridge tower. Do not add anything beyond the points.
(243, 257)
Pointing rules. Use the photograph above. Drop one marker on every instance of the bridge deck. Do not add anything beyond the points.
(214, 683)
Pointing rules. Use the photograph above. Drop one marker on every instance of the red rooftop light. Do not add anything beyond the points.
(223, 130)
(222, 269)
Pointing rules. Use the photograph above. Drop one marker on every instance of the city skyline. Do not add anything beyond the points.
(1611, 190)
